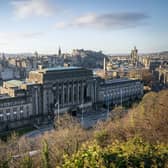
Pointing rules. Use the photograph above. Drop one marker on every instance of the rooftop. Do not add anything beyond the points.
(59, 68)
(2, 96)
(119, 80)
(14, 83)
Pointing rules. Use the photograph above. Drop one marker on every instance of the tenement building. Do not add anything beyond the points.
(48, 91)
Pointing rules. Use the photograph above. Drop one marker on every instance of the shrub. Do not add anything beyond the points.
(133, 153)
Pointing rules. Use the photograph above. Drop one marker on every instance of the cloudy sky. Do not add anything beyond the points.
(113, 26)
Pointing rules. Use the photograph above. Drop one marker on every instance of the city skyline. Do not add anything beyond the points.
(111, 26)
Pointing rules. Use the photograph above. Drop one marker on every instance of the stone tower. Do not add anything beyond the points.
(134, 56)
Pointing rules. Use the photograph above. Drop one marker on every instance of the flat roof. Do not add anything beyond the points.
(15, 83)
(58, 68)
(119, 80)
(3, 96)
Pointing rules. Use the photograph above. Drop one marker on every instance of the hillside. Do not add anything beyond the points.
(138, 139)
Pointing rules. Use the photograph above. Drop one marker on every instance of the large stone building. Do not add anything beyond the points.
(65, 89)
(120, 91)
(69, 86)
(15, 105)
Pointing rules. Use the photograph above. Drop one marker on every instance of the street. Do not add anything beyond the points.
(88, 120)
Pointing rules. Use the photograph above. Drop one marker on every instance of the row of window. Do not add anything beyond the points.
(14, 110)
(12, 103)
(134, 87)
(123, 91)
(14, 116)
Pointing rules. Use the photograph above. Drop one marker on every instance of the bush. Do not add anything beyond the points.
(102, 138)
(133, 153)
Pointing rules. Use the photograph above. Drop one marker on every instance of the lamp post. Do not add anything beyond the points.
(121, 95)
(107, 100)
(107, 105)
(57, 104)
(82, 119)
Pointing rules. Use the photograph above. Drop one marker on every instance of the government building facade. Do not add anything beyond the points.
(63, 89)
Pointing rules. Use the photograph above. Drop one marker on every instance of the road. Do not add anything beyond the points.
(40, 131)
(89, 119)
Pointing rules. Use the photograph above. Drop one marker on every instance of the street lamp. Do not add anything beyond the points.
(82, 119)
(57, 104)
(121, 95)
(108, 105)
(107, 100)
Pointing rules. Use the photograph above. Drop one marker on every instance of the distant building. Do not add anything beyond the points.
(59, 51)
(134, 57)
(154, 63)
(163, 75)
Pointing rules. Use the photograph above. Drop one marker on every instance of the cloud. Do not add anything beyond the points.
(32, 34)
(61, 25)
(28, 8)
(18, 35)
(107, 21)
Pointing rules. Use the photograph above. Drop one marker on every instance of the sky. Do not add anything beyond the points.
(112, 26)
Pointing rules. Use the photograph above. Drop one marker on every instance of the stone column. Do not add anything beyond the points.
(68, 92)
(63, 94)
(72, 92)
(159, 76)
(36, 100)
(164, 77)
(82, 92)
(95, 94)
(58, 93)
(77, 92)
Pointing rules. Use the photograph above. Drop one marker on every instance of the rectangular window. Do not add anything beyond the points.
(15, 109)
(1, 115)
(27, 108)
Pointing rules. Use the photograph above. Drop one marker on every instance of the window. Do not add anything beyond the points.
(14, 109)
(8, 114)
(21, 114)
(27, 109)
(1, 115)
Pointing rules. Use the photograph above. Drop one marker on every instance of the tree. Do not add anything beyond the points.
(27, 162)
(45, 155)
(117, 113)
